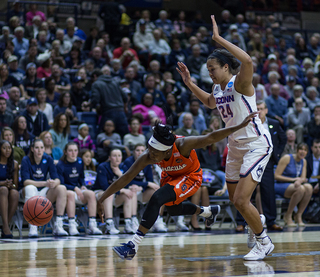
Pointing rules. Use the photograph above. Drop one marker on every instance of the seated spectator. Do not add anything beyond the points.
(9, 195)
(291, 61)
(195, 61)
(159, 49)
(291, 182)
(6, 116)
(14, 103)
(37, 121)
(8, 134)
(7, 81)
(23, 138)
(70, 170)
(144, 180)
(21, 44)
(79, 96)
(73, 60)
(313, 48)
(84, 140)
(97, 57)
(313, 97)
(164, 23)
(150, 87)
(43, 44)
(33, 11)
(14, 70)
(297, 93)
(199, 122)
(313, 166)
(65, 106)
(62, 83)
(291, 82)
(259, 89)
(34, 177)
(46, 108)
(149, 110)
(60, 130)
(134, 85)
(31, 82)
(54, 152)
(314, 125)
(125, 53)
(65, 45)
(277, 105)
(52, 95)
(255, 47)
(233, 28)
(30, 57)
(70, 21)
(85, 155)
(298, 119)
(172, 108)
(177, 54)
(115, 71)
(87, 84)
(273, 78)
(92, 39)
(108, 172)
(291, 146)
(187, 127)
(44, 70)
(108, 140)
(134, 137)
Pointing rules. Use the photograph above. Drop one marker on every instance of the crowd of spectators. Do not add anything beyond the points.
(53, 73)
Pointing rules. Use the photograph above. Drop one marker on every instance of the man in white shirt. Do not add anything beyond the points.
(159, 49)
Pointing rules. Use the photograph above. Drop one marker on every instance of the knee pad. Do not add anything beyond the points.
(30, 191)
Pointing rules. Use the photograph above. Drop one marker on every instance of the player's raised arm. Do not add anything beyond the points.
(206, 98)
(126, 178)
(243, 82)
(195, 142)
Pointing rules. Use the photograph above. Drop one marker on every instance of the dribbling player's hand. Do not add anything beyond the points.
(184, 72)
(215, 30)
(248, 119)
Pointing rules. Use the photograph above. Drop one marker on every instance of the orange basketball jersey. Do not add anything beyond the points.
(179, 165)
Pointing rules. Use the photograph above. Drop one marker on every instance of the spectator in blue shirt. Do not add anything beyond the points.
(150, 86)
(108, 172)
(60, 130)
(62, 83)
(71, 174)
(277, 105)
(21, 44)
(34, 171)
(164, 23)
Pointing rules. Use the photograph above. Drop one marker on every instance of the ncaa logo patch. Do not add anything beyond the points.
(179, 161)
(230, 84)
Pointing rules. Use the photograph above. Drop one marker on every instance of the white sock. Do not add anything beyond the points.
(127, 221)
(72, 220)
(136, 239)
(263, 238)
(92, 220)
(59, 218)
(206, 212)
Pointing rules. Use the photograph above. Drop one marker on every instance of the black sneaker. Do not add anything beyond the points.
(126, 251)
(215, 210)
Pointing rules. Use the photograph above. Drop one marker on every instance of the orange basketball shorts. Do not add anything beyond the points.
(184, 186)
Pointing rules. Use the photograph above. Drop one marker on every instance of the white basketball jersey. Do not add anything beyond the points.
(234, 108)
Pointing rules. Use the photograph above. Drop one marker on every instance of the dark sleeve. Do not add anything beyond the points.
(81, 176)
(95, 95)
(25, 170)
(102, 178)
(52, 169)
(60, 169)
(124, 96)
(45, 123)
(282, 141)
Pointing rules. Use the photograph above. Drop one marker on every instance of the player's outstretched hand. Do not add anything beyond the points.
(184, 72)
(215, 30)
(248, 119)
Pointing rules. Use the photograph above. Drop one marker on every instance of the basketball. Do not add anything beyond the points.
(38, 210)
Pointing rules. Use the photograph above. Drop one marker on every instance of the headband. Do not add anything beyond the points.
(221, 57)
(82, 125)
(158, 145)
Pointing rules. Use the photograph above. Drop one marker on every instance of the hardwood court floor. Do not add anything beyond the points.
(297, 253)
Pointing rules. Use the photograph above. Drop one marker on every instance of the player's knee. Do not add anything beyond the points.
(239, 203)
(156, 199)
(30, 191)
(4, 191)
(173, 210)
(70, 195)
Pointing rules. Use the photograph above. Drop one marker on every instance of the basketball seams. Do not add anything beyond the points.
(34, 219)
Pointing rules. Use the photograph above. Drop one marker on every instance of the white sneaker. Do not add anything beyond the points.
(180, 225)
(58, 229)
(128, 227)
(93, 229)
(73, 230)
(33, 231)
(135, 223)
(251, 241)
(259, 268)
(159, 226)
(262, 248)
(110, 228)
